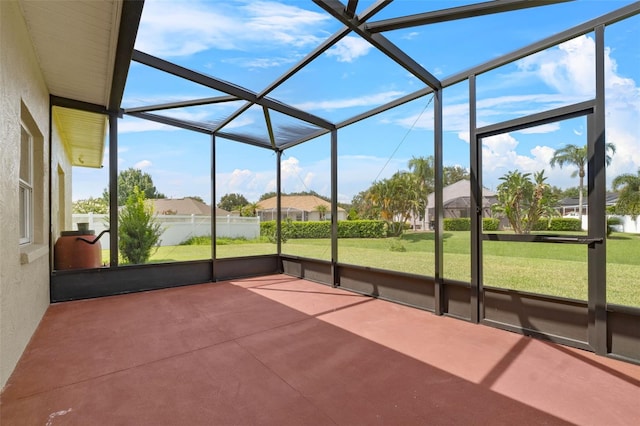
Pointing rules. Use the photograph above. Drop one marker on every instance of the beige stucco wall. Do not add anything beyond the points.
(24, 271)
(61, 202)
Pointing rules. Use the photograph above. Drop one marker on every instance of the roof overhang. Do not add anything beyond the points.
(80, 50)
(83, 134)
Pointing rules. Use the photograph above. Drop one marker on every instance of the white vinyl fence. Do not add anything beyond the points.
(178, 228)
(629, 224)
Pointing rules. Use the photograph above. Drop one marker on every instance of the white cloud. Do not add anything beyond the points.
(371, 100)
(349, 48)
(545, 128)
(289, 167)
(356, 174)
(143, 164)
(142, 126)
(569, 70)
(243, 120)
(500, 155)
(241, 180)
(173, 28)
(282, 23)
(250, 183)
(411, 35)
(260, 63)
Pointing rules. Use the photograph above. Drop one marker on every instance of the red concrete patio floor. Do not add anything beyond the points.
(278, 350)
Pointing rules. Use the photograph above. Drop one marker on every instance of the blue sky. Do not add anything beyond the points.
(251, 43)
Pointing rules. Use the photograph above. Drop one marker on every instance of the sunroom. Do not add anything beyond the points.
(371, 106)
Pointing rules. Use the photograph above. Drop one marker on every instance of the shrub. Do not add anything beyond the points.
(361, 229)
(457, 224)
(267, 228)
(541, 225)
(138, 229)
(202, 240)
(464, 224)
(611, 222)
(322, 229)
(489, 224)
(565, 224)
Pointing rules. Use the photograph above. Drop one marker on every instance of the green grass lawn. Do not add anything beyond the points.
(552, 269)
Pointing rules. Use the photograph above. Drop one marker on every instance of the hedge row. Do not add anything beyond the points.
(377, 228)
(565, 224)
(322, 229)
(490, 224)
(457, 224)
(558, 224)
(464, 224)
(362, 229)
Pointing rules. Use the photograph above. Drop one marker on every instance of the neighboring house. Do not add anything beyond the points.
(183, 206)
(569, 206)
(298, 207)
(457, 201)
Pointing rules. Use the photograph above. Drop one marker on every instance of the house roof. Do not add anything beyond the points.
(306, 203)
(80, 49)
(461, 190)
(610, 199)
(184, 206)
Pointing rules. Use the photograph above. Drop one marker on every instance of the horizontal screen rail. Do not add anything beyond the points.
(538, 238)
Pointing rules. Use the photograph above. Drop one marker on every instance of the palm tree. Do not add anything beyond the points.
(250, 210)
(395, 198)
(322, 210)
(523, 201)
(629, 196)
(577, 156)
(511, 197)
(424, 169)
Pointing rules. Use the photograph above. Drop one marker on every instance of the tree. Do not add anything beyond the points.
(130, 178)
(573, 192)
(363, 207)
(138, 230)
(268, 195)
(91, 205)
(322, 210)
(396, 199)
(249, 210)
(197, 198)
(577, 156)
(231, 202)
(629, 195)
(424, 170)
(453, 174)
(524, 201)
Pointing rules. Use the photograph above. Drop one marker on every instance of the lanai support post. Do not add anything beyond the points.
(476, 207)
(597, 222)
(213, 230)
(113, 190)
(439, 202)
(279, 204)
(334, 208)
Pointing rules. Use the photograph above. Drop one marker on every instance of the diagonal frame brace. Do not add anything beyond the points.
(267, 119)
(337, 10)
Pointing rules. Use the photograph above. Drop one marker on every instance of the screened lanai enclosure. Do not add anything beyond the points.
(376, 92)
